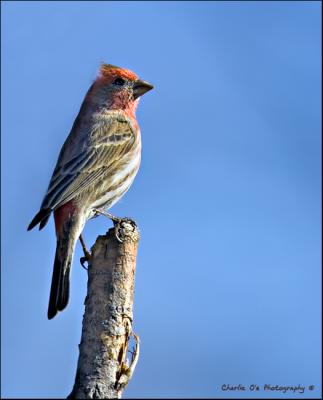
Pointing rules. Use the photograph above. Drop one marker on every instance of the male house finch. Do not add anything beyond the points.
(96, 166)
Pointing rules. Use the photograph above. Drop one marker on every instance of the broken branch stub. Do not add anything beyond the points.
(103, 368)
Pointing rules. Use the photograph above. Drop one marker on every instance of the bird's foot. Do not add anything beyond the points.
(119, 227)
(117, 222)
(87, 253)
(84, 260)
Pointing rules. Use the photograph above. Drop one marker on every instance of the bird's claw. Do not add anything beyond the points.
(118, 229)
(84, 260)
(117, 222)
(87, 254)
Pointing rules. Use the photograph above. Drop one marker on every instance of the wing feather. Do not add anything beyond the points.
(107, 141)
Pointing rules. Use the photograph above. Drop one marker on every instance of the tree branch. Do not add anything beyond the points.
(103, 370)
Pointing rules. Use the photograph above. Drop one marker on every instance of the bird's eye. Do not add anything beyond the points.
(119, 82)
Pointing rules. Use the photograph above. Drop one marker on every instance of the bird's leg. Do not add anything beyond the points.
(113, 218)
(117, 221)
(87, 253)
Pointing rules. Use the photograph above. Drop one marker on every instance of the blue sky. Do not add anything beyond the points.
(228, 197)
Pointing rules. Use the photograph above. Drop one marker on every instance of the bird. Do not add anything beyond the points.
(96, 166)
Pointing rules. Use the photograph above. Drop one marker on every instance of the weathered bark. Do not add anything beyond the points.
(103, 370)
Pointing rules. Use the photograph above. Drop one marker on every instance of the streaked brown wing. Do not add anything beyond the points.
(109, 140)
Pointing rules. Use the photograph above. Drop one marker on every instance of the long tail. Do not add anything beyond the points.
(60, 288)
(68, 231)
(40, 218)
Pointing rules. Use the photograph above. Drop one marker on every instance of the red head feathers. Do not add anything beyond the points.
(109, 72)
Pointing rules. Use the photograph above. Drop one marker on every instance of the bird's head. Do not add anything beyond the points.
(118, 88)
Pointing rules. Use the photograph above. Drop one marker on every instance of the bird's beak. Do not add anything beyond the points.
(141, 87)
